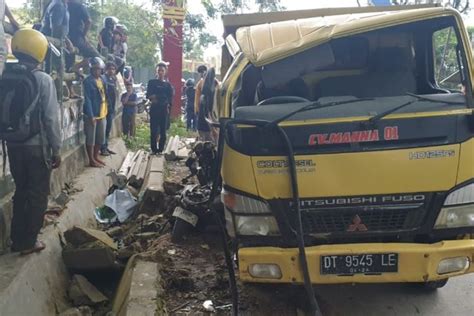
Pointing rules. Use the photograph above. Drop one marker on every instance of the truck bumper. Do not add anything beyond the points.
(416, 262)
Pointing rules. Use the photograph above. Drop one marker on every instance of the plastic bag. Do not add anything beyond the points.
(122, 203)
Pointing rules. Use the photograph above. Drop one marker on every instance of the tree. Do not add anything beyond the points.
(460, 5)
(213, 7)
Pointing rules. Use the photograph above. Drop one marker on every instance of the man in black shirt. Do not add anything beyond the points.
(79, 26)
(160, 93)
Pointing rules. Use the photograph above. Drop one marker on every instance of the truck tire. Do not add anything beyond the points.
(434, 285)
(180, 229)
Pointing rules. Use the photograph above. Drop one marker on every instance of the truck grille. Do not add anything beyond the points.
(374, 220)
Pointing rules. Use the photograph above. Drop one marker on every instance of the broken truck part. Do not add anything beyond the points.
(332, 129)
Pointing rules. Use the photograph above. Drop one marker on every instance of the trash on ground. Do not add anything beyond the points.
(208, 306)
(122, 203)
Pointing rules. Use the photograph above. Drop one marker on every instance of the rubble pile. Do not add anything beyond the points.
(143, 215)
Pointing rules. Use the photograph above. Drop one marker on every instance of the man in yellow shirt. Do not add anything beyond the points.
(95, 111)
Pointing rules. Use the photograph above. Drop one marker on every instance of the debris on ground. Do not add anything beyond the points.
(78, 311)
(176, 149)
(122, 203)
(82, 292)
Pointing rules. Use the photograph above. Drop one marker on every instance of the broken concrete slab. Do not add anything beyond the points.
(139, 291)
(155, 182)
(78, 236)
(144, 290)
(82, 292)
(172, 148)
(115, 231)
(157, 164)
(153, 195)
(86, 259)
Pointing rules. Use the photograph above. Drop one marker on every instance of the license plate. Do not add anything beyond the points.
(186, 216)
(359, 264)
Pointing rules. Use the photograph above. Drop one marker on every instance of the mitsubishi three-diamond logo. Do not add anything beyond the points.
(357, 225)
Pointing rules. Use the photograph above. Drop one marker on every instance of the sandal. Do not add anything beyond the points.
(39, 246)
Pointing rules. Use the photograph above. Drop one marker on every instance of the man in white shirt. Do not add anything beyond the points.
(3, 45)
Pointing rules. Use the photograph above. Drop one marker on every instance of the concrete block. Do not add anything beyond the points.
(82, 292)
(87, 259)
(80, 235)
(155, 182)
(157, 164)
(139, 291)
(144, 289)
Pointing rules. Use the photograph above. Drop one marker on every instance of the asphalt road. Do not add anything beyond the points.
(456, 298)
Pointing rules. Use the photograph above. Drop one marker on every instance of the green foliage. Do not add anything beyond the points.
(195, 38)
(213, 7)
(462, 6)
(142, 135)
(178, 127)
(141, 139)
(446, 64)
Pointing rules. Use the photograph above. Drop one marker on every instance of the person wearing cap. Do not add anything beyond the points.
(31, 161)
(160, 93)
(95, 111)
(106, 37)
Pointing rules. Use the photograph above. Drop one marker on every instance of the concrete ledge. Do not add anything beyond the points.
(143, 289)
(36, 284)
(139, 292)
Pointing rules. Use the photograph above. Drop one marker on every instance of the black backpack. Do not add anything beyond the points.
(19, 113)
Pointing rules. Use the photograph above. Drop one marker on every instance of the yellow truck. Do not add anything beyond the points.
(347, 147)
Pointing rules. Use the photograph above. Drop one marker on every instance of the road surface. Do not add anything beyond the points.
(456, 298)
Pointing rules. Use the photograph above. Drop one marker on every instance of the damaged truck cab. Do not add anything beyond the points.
(378, 109)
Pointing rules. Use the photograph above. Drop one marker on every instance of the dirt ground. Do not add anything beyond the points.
(194, 271)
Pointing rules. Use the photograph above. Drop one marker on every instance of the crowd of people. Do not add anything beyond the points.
(32, 161)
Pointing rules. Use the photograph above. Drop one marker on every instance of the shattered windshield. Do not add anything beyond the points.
(422, 58)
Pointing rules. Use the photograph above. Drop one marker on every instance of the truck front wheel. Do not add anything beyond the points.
(433, 285)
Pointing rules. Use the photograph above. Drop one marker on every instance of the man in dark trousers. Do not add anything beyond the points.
(79, 26)
(31, 161)
(111, 94)
(160, 94)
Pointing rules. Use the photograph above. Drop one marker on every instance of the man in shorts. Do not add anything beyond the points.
(95, 111)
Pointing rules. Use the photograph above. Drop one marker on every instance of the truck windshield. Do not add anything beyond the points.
(422, 58)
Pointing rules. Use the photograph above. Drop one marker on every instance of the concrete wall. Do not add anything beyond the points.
(74, 160)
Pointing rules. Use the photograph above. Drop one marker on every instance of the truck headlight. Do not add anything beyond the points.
(242, 209)
(256, 225)
(458, 209)
(242, 204)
